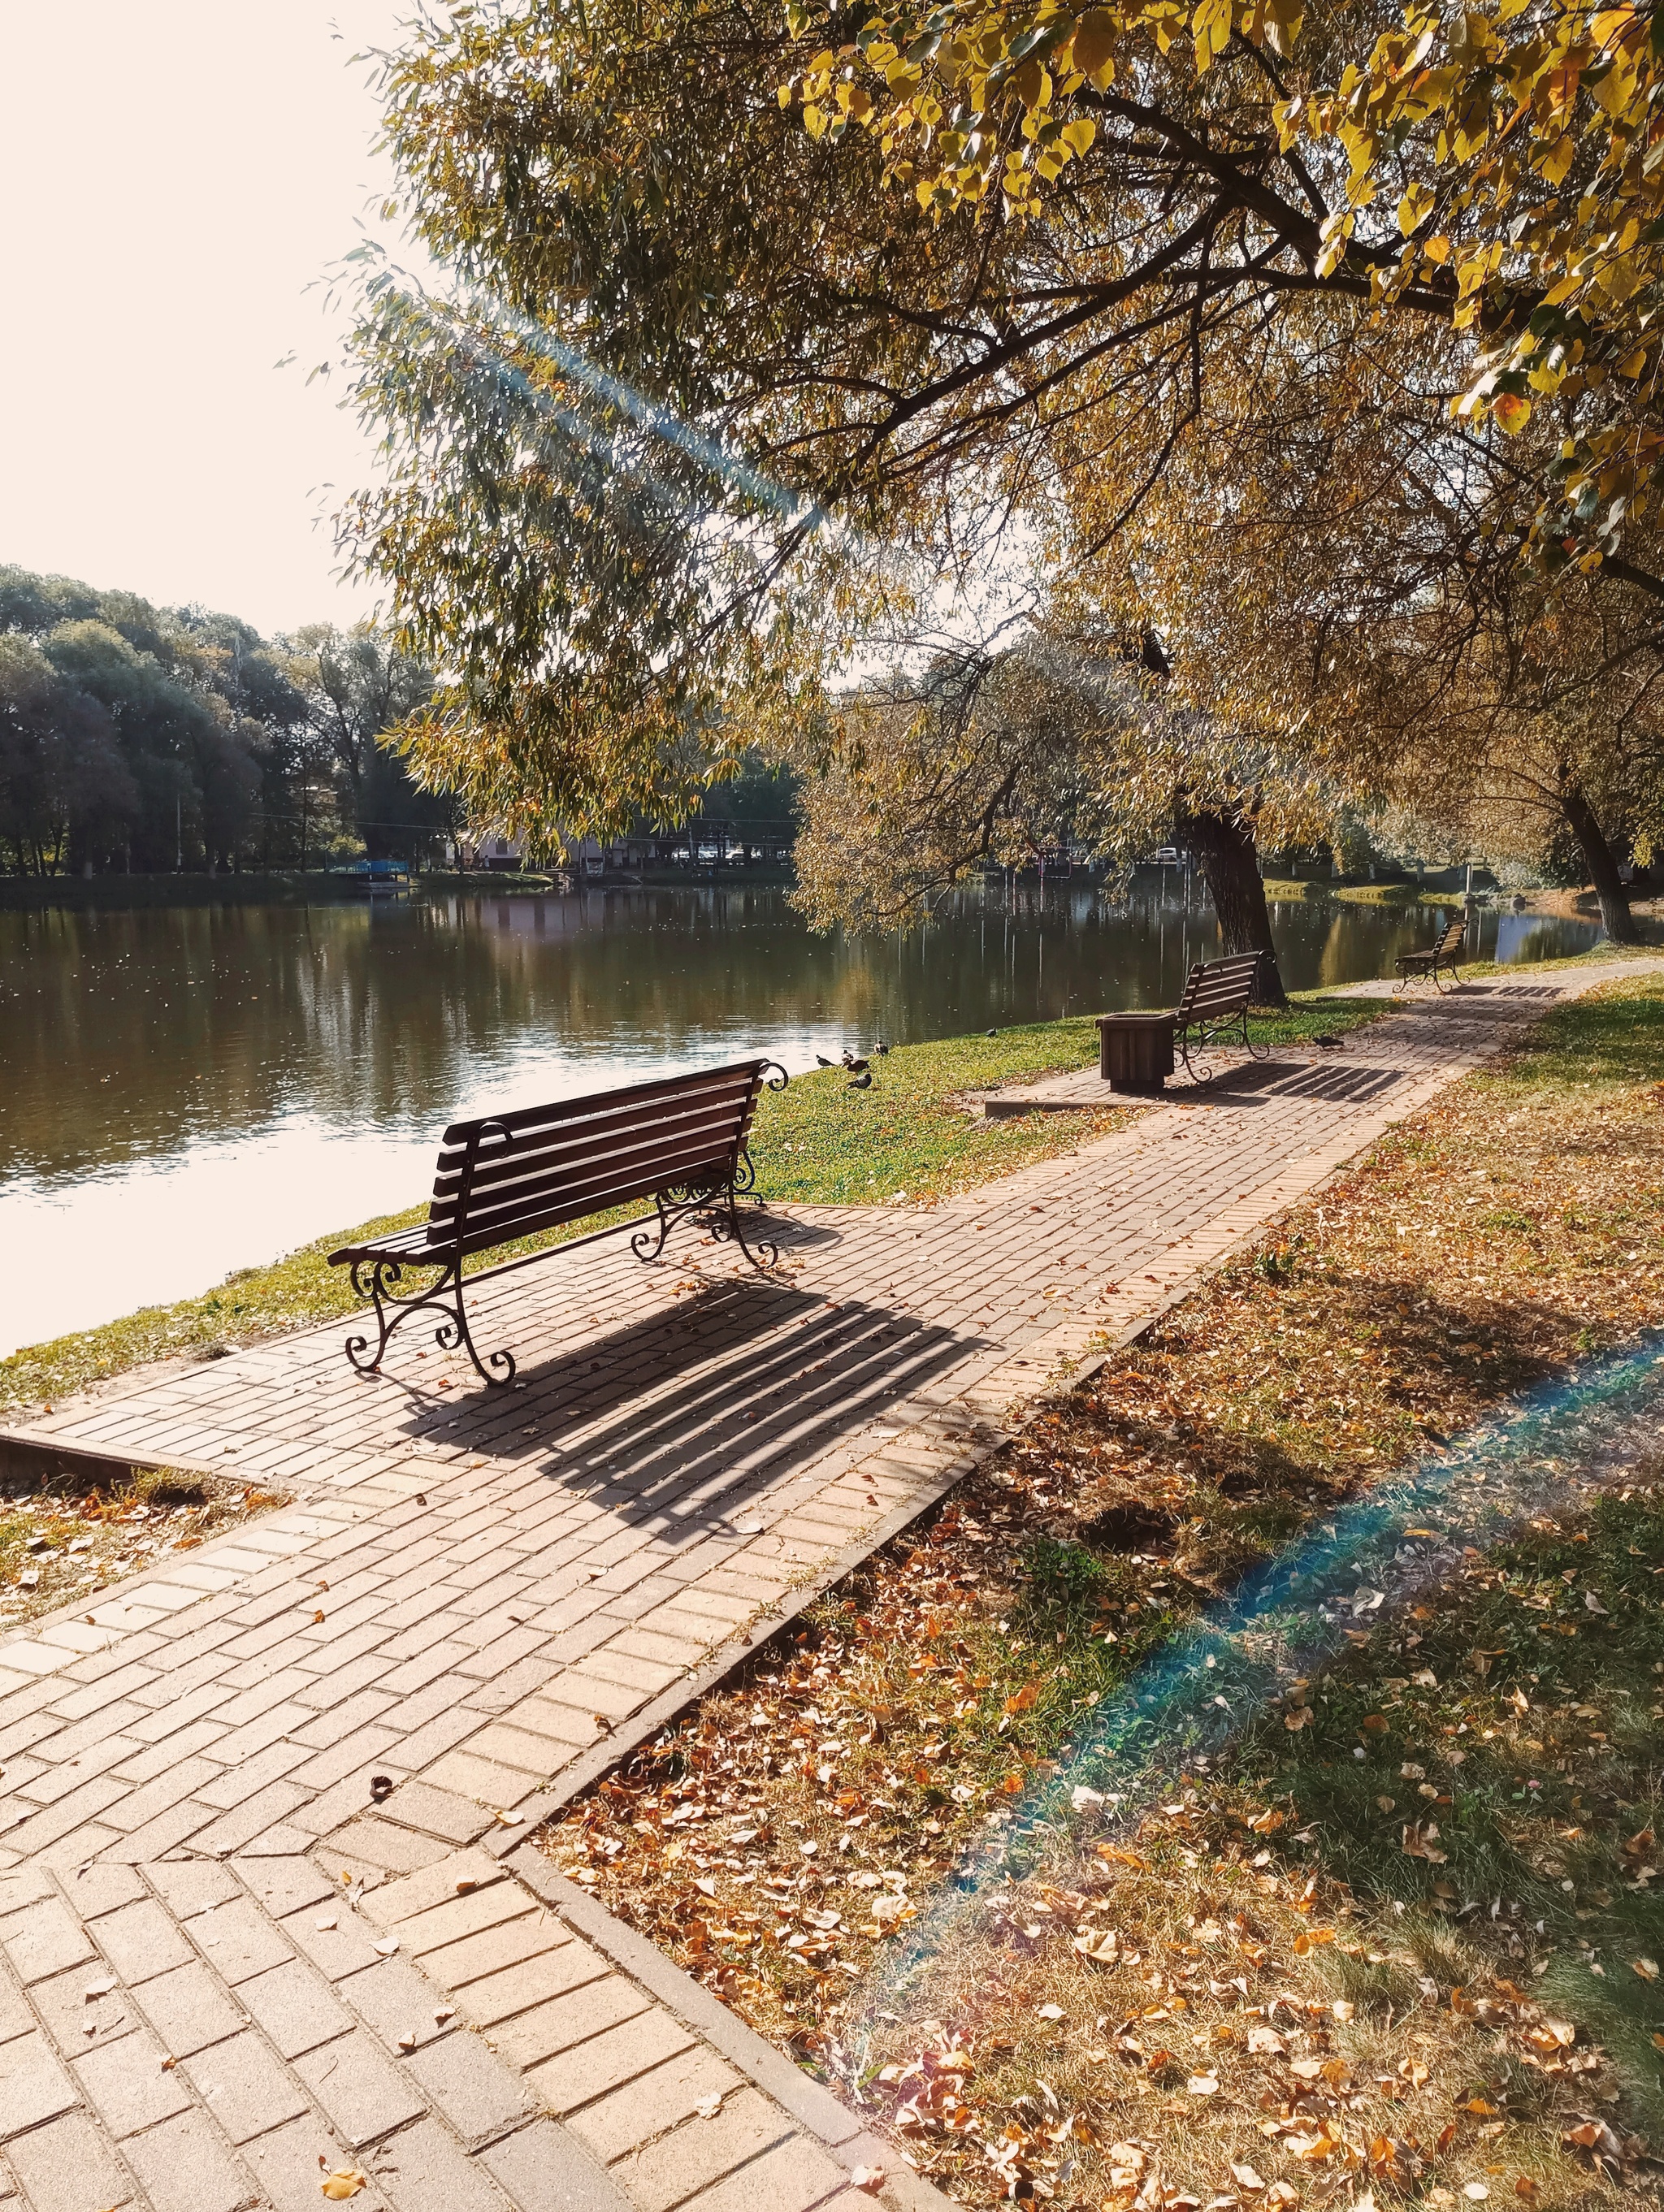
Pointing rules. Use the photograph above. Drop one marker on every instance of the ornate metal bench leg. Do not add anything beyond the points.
(639, 1242)
(731, 1228)
(381, 1275)
(391, 1310)
(450, 1334)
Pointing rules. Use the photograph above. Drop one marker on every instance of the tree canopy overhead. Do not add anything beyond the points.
(1317, 343)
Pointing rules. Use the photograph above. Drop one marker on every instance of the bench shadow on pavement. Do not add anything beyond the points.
(676, 1422)
(1340, 1082)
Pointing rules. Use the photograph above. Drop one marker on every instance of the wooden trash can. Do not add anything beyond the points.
(1135, 1051)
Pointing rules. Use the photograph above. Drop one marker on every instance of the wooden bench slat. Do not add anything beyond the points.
(678, 1140)
(601, 1103)
(594, 1190)
(1215, 992)
(506, 1161)
(1445, 951)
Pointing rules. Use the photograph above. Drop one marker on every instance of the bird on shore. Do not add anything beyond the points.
(855, 1064)
(993, 1032)
(862, 1082)
(881, 1047)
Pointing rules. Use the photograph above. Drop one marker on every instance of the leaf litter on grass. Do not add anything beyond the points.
(806, 1823)
(62, 1541)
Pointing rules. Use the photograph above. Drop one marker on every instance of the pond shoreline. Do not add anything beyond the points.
(814, 1143)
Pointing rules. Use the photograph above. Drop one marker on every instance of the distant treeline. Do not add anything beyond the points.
(144, 739)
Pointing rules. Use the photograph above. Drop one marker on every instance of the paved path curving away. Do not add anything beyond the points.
(230, 1967)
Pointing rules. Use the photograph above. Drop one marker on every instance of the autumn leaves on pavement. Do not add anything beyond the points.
(1362, 2005)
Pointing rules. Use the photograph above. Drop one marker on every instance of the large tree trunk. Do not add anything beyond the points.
(1615, 914)
(1230, 867)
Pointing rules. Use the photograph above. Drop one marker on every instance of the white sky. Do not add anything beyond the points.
(176, 174)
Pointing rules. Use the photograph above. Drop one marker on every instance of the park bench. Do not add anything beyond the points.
(681, 1140)
(1136, 1050)
(1446, 953)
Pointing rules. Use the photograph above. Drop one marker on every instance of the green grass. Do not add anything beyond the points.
(1285, 888)
(1556, 1798)
(817, 1142)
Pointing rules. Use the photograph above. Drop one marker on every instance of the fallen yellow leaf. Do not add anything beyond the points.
(345, 2183)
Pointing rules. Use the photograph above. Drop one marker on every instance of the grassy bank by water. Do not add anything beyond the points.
(1284, 888)
(817, 1141)
(1400, 1934)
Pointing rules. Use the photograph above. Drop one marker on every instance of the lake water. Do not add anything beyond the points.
(189, 1090)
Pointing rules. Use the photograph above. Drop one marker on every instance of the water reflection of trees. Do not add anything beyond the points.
(134, 1034)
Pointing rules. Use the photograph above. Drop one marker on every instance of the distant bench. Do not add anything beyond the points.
(1447, 953)
(1136, 1050)
(680, 1141)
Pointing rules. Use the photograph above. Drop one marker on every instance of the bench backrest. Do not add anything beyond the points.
(509, 1175)
(1217, 987)
(1452, 937)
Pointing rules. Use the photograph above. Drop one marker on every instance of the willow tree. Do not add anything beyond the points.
(769, 335)
(1366, 578)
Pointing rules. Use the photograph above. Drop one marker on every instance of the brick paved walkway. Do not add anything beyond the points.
(236, 1961)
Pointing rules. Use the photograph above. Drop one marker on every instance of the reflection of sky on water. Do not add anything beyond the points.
(193, 1090)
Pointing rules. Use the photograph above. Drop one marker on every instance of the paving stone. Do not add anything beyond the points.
(144, 1765)
(333, 1937)
(522, 1742)
(374, 1842)
(460, 1965)
(64, 1853)
(90, 1891)
(189, 2008)
(456, 1917)
(16, 2018)
(284, 1884)
(796, 2174)
(69, 2167)
(421, 2170)
(33, 2087)
(186, 2166)
(607, 1682)
(365, 2094)
(516, 1989)
(238, 1940)
(477, 2093)
(296, 2006)
(43, 1939)
(396, 2003)
(178, 1825)
(71, 2018)
(127, 2084)
(485, 1779)
(140, 1940)
(652, 2102)
(589, 2069)
(245, 2087)
(541, 2169)
(433, 1885)
(138, 1807)
(701, 2151)
(287, 2164)
(237, 1828)
(364, 1752)
(187, 1887)
(554, 2025)
(437, 1812)
(359, 1712)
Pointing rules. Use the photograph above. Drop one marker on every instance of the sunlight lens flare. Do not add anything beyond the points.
(1185, 1705)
